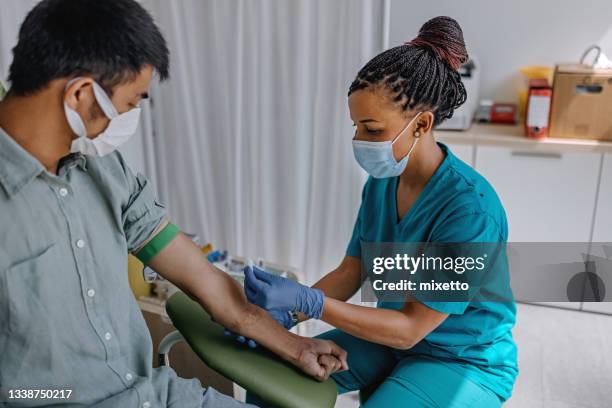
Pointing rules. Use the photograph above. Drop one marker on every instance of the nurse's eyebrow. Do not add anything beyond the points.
(367, 121)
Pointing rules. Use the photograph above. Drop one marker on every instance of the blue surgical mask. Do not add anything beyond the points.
(377, 158)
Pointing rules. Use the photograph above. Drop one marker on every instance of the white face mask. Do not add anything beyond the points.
(118, 131)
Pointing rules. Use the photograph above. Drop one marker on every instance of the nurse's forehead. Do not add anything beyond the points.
(365, 104)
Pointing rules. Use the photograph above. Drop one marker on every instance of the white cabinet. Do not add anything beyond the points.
(603, 217)
(463, 151)
(548, 197)
(602, 233)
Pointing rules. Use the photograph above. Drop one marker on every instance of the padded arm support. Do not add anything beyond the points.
(259, 371)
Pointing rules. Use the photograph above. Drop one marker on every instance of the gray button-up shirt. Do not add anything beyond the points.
(68, 319)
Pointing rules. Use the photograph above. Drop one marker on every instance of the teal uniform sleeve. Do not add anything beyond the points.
(477, 227)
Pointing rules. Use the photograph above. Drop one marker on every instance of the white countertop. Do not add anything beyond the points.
(513, 136)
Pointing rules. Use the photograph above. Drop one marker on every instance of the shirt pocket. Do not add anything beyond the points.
(29, 285)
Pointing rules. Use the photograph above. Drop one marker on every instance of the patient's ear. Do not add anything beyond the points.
(79, 94)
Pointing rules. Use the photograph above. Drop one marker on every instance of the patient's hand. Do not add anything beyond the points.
(321, 358)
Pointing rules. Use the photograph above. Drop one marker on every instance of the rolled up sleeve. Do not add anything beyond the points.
(143, 213)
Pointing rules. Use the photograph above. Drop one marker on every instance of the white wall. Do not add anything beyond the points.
(506, 35)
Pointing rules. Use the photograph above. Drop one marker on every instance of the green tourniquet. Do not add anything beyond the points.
(159, 242)
(2, 90)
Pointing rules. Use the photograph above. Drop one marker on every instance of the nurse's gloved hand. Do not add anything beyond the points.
(273, 292)
(283, 318)
(240, 338)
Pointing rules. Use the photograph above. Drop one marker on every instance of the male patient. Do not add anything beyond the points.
(70, 210)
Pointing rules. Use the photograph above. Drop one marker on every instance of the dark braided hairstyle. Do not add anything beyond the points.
(422, 73)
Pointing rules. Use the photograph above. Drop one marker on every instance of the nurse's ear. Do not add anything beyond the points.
(424, 123)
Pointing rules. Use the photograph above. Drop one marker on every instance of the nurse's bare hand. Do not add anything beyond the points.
(310, 353)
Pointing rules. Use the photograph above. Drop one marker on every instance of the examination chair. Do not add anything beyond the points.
(272, 380)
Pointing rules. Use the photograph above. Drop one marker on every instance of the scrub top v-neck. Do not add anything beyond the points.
(456, 205)
(393, 201)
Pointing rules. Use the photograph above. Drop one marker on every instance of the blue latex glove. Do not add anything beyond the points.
(283, 318)
(240, 339)
(273, 292)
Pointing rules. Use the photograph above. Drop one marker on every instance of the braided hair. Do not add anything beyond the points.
(422, 73)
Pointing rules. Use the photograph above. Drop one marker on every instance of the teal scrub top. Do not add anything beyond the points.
(456, 205)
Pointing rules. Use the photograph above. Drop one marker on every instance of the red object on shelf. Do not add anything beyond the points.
(503, 113)
(537, 112)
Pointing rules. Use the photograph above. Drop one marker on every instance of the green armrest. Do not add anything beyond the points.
(273, 380)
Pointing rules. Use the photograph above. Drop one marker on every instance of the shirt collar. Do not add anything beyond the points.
(17, 166)
(73, 159)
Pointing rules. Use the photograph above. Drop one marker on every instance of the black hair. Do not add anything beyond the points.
(422, 73)
(111, 41)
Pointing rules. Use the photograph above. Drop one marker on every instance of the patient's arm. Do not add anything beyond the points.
(183, 264)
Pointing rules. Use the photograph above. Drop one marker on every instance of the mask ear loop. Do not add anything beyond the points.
(74, 119)
(417, 135)
(406, 127)
(104, 101)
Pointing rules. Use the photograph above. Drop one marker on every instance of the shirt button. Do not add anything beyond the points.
(91, 293)
(80, 243)
(146, 404)
(63, 192)
(128, 376)
(107, 336)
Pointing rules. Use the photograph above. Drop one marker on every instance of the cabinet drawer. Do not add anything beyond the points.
(548, 197)
(603, 216)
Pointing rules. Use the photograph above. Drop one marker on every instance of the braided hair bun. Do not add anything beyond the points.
(443, 36)
(422, 73)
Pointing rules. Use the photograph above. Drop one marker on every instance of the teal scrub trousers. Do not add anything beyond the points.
(405, 381)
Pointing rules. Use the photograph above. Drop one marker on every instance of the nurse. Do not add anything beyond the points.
(416, 353)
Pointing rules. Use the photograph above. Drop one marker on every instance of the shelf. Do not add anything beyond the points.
(513, 136)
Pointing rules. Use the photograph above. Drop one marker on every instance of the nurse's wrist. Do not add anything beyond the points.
(301, 317)
(311, 303)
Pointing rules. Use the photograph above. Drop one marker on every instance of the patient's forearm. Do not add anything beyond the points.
(182, 263)
(241, 316)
